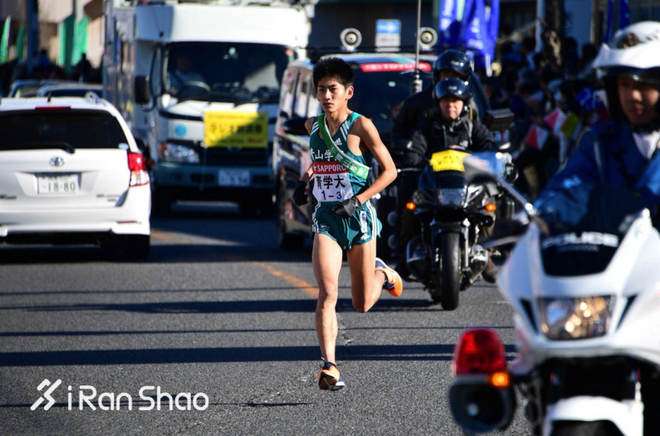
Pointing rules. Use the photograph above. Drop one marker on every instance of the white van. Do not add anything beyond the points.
(199, 84)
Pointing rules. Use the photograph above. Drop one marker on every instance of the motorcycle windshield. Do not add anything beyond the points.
(586, 229)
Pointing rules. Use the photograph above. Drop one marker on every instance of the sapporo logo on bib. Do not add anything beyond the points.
(331, 182)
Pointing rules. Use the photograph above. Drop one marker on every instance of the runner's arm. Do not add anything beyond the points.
(309, 173)
(369, 137)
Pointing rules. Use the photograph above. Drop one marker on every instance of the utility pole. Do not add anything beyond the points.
(32, 18)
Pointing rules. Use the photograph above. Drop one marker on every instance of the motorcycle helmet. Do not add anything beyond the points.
(632, 52)
(452, 60)
(452, 87)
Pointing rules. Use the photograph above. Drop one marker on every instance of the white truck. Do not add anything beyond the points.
(199, 84)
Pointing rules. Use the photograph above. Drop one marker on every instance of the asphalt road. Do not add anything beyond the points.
(218, 310)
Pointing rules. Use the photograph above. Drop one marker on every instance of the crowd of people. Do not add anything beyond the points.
(553, 94)
(43, 68)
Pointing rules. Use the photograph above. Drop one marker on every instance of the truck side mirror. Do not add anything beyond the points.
(142, 94)
(295, 126)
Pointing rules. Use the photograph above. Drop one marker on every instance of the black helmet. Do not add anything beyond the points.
(452, 60)
(452, 87)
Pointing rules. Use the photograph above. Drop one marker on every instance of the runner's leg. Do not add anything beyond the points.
(366, 282)
(327, 259)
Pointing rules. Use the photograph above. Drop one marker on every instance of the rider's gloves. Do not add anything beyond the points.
(347, 207)
(300, 193)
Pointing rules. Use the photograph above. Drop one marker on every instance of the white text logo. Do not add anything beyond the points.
(46, 395)
(87, 397)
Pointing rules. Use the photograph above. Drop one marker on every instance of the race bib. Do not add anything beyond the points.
(331, 182)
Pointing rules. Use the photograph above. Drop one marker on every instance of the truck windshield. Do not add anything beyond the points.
(225, 71)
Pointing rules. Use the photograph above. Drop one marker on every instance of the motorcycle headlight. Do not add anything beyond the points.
(452, 197)
(178, 153)
(575, 318)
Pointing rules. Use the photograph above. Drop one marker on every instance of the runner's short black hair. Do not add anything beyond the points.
(333, 67)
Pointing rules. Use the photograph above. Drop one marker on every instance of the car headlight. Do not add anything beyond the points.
(178, 153)
(575, 318)
(452, 197)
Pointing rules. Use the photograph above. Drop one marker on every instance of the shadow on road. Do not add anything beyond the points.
(222, 331)
(245, 306)
(179, 253)
(439, 352)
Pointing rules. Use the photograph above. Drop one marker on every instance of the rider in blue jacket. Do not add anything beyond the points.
(623, 151)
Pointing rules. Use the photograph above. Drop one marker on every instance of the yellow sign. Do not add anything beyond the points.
(235, 129)
(448, 160)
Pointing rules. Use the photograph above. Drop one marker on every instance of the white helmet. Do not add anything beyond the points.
(634, 50)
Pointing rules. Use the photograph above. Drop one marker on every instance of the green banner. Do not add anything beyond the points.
(79, 39)
(20, 44)
(4, 41)
(73, 41)
(65, 34)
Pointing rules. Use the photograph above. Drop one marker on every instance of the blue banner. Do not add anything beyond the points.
(474, 31)
(610, 18)
(449, 25)
(624, 14)
(493, 26)
(472, 25)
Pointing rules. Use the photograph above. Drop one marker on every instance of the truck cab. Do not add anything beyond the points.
(199, 84)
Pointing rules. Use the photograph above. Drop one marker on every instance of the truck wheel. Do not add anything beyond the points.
(161, 203)
(259, 206)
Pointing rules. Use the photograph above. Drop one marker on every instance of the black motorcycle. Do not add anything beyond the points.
(451, 216)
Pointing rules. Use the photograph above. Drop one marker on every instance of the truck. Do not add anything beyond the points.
(199, 84)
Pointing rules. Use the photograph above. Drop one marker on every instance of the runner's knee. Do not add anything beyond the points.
(328, 296)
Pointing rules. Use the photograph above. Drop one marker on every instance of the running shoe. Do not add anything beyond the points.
(329, 377)
(393, 282)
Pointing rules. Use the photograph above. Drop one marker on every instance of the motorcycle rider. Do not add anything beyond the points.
(450, 63)
(418, 107)
(621, 152)
(449, 125)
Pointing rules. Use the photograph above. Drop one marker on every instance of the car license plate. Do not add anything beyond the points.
(58, 185)
(234, 178)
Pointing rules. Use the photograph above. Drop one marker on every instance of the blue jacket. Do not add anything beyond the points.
(607, 155)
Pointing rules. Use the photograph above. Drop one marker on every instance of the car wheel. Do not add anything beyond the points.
(127, 247)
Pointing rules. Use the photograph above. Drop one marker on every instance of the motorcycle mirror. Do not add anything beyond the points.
(487, 167)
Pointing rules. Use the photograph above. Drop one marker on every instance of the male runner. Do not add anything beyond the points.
(343, 217)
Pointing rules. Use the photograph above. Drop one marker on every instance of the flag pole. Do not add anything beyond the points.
(417, 82)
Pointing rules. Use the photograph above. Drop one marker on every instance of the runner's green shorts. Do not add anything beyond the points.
(360, 228)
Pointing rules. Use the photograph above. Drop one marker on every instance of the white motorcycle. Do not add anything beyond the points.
(584, 283)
